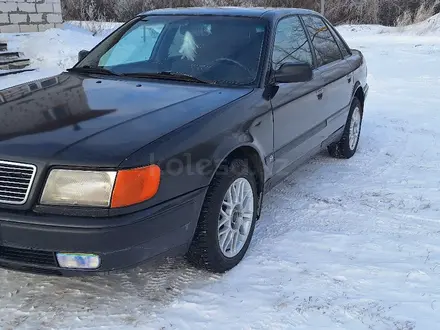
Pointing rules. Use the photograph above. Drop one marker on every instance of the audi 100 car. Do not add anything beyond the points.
(163, 139)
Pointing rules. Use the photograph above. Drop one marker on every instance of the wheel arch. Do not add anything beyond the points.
(359, 93)
(251, 154)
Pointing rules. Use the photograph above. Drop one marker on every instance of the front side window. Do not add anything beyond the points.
(326, 48)
(213, 49)
(291, 43)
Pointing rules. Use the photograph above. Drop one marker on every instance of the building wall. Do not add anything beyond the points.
(29, 15)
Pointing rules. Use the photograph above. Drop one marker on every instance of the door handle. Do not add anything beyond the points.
(320, 94)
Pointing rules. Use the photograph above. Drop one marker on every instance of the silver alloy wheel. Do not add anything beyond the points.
(355, 128)
(236, 215)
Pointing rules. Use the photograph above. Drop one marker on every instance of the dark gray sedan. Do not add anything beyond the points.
(164, 138)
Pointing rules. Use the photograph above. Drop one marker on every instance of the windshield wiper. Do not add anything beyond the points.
(99, 70)
(168, 75)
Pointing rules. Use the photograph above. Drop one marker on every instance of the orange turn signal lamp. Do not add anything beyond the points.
(136, 185)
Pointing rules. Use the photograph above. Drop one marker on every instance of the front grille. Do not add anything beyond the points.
(15, 182)
(28, 256)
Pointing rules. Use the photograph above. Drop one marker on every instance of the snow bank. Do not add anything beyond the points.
(101, 29)
(363, 30)
(50, 52)
(430, 27)
(54, 48)
(57, 47)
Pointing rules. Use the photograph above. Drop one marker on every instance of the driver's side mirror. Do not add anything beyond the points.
(293, 72)
(82, 54)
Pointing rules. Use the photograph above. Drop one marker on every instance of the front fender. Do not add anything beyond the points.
(190, 156)
(257, 137)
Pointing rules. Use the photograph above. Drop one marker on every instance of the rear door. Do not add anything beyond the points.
(297, 107)
(335, 70)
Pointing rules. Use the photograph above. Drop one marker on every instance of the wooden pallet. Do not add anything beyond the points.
(11, 61)
(8, 72)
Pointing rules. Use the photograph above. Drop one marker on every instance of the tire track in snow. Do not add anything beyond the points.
(47, 303)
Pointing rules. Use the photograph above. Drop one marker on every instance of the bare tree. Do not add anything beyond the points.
(387, 12)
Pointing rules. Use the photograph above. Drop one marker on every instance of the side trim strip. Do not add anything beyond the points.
(341, 112)
(300, 139)
(308, 134)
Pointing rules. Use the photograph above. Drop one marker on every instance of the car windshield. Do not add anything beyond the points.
(209, 49)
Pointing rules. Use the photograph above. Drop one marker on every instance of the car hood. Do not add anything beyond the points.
(63, 118)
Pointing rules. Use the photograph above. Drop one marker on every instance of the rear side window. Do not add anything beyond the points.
(342, 46)
(326, 48)
(291, 43)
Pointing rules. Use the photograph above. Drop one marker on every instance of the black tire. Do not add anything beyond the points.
(342, 149)
(205, 251)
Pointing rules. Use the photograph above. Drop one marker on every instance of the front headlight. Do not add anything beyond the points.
(81, 188)
(113, 189)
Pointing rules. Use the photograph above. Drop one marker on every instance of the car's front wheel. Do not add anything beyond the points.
(347, 146)
(227, 219)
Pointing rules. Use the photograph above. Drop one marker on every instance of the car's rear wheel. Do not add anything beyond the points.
(347, 146)
(227, 219)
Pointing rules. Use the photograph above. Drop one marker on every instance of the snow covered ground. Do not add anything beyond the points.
(51, 52)
(342, 244)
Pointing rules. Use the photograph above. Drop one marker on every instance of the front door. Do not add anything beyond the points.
(297, 107)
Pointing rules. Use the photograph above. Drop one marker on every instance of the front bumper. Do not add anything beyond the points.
(29, 242)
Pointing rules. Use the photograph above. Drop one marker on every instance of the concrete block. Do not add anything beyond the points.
(7, 7)
(59, 25)
(27, 7)
(44, 7)
(28, 28)
(44, 27)
(36, 18)
(4, 19)
(9, 28)
(18, 18)
(57, 8)
(54, 18)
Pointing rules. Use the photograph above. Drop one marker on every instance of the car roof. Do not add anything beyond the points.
(266, 12)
